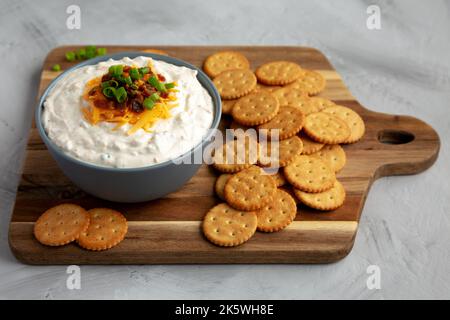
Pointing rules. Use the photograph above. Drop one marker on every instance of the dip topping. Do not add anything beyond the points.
(127, 94)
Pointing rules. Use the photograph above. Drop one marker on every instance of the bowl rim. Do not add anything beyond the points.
(210, 88)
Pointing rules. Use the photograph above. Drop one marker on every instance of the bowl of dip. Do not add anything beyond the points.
(125, 127)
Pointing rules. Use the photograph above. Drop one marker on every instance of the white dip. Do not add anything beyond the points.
(99, 144)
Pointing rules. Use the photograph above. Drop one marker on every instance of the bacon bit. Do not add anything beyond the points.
(164, 95)
(106, 77)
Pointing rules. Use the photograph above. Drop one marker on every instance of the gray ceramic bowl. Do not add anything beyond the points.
(129, 184)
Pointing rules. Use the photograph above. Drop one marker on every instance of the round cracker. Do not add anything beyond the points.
(326, 128)
(278, 214)
(288, 149)
(255, 108)
(220, 184)
(310, 82)
(234, 125)
(333, 155)
(290, 189)
(278, 72)
(352, 119)
(279, 178)
(303, 102)
(289, 121)
(223, 61)
(237, 127)
(107, 228)
(309, 174)
(321, 103)
(310, 105)
(309, 146)
(307, 106)
(228, 227)
(290, 97)
(250, 189)
(61, 224)
(236, 83)
(236, 155)
(227, 106)
(265, 88)
(327, 200)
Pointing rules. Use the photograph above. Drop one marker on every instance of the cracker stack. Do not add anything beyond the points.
(280, 96)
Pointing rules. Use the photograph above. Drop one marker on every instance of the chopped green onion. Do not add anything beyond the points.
(134, 87)
(155, 83)
(116, 70)
(91, 52)
(124, 80)
(128, 80)
(70, 56)
(81, 54)
(109, 92)
(149, 103)
(120, 79)
(110, 83)
(101, 51)
(87, 52)
(134, 73)
(170, 85)
(56, 67)
(144, 70)
(154, 97)
(121, 95)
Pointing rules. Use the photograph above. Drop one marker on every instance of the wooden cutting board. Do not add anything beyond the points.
(168, 230)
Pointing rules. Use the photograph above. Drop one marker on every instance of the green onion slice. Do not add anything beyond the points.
(170, 85)
(81, 54)
(109, 92)
(91, 52)
(121, 95)
(154, 97)
(144, 70)
(110, 83)
(155, 83)
(56, 67)
(70, 56)
(124, 80)
(149, 103)
(128, 80)
(134, 74)
(101, 51)
(112, 69)
(116, 70)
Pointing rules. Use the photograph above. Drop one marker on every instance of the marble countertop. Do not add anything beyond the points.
(403, 68)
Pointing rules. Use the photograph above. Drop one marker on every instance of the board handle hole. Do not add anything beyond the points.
(395, 137)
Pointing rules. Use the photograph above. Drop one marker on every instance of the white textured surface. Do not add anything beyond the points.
(403, 68)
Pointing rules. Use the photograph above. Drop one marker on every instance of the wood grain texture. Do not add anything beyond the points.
(168, 230)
